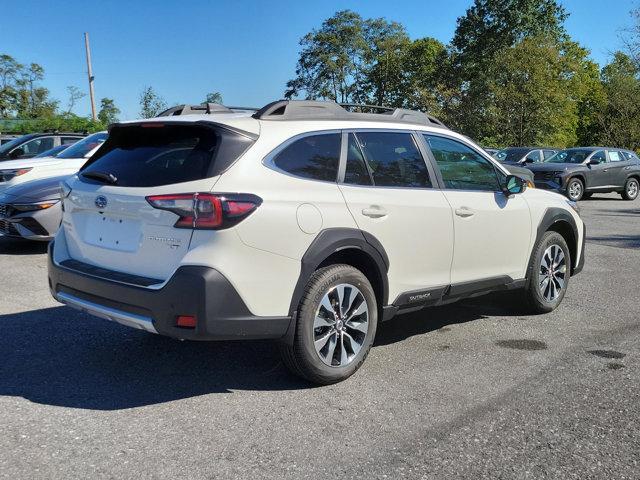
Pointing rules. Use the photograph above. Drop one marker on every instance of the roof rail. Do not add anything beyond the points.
(204, 108)
(328, 110)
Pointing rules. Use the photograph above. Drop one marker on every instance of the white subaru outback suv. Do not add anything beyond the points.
(303, 222)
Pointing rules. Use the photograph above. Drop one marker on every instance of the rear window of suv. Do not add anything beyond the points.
(157, 154)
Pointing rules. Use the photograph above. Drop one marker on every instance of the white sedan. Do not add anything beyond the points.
(69, 161)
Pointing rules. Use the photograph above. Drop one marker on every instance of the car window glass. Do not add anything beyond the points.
(314, 156)
(534, 156)
(68, 140)
(615, 156)
(629, 156)
(37, 146)
(548, 153)
(356, 171)
(599, 155)
(394, 160)
(462, 168)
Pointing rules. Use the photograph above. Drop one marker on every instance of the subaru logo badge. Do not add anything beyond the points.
(101, 201)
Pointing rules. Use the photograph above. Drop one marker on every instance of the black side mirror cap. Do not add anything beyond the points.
(514, 185)
(593, 161)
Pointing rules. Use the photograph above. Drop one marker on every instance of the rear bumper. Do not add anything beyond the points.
(193, 290)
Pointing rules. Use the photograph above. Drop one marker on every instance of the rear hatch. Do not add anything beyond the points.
(108, 219)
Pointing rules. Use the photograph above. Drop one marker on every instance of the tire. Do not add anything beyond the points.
(575, 189)
(631, 189)
(315, 323)
(538, 293)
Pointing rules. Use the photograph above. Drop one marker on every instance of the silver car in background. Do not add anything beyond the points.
(32, 210)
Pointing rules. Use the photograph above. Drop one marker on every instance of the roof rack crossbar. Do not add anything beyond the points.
(328, 110)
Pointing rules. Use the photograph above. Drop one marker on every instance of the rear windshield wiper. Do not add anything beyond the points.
(103, 177)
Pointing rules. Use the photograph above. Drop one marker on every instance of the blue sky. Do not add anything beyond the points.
(245, 49)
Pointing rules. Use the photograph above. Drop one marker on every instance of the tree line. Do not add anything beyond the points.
(511, 75)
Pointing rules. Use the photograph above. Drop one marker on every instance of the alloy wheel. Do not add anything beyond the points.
(341, 324)
(632, 189)
(553, 271)
(575, 189)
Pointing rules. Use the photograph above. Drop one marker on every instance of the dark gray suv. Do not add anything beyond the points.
(580, 172)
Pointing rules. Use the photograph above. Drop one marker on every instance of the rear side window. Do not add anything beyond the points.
(548, 153)
(462, 168)
(84, 146)
(150, 156)
(615, 156)
(630, 156)
(394, 160)
(315, 157)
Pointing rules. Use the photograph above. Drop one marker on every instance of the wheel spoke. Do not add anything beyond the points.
(333, 341)
(320, 321)
(544, 283)
(328, 306)
(344, 358)
(355, 346)
(322, 341)
(362, 308)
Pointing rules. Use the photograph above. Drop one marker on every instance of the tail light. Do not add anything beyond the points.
(207, 211)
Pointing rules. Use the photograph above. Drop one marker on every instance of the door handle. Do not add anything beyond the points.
(374, 211)
(464, 212)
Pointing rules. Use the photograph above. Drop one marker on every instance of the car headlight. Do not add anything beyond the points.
(32, 207)
(574, 205)
(6, 175)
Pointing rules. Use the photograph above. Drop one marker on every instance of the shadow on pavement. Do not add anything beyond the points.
(15, 246)
(620, 241)
(57, 356)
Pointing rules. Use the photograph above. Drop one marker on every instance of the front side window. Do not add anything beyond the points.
(600, 156)
(356, 172)
(615, 156)
(534, 156)
(462, 168)
(394, 160)
(315, 157)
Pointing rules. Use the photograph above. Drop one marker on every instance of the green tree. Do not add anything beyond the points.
(108, 112)
(9, 74)
(75, 95)
(619, 120)
(33, 100)
(213, 97)
(330, 65)
(151, 104)
(487, 28)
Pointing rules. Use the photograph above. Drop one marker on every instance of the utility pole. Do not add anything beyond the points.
(90, 74)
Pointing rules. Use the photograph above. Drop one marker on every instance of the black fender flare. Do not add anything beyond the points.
(332, 240)
(552, 216)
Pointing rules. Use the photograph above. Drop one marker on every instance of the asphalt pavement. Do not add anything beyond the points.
(472, 390)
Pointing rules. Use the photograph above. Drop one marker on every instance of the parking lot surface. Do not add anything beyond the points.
(472, 390)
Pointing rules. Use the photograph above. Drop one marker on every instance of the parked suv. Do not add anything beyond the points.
(580, 172)
(28, 146)
(302, 222)
(524, 155)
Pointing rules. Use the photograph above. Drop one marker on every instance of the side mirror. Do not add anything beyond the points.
(17, 153)
(593, 161)
(514, 185)
(529, 160)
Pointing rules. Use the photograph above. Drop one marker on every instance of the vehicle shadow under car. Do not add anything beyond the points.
(58, 356)
(16, 246)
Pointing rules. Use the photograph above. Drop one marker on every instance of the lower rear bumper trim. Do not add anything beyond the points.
(124, 318)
